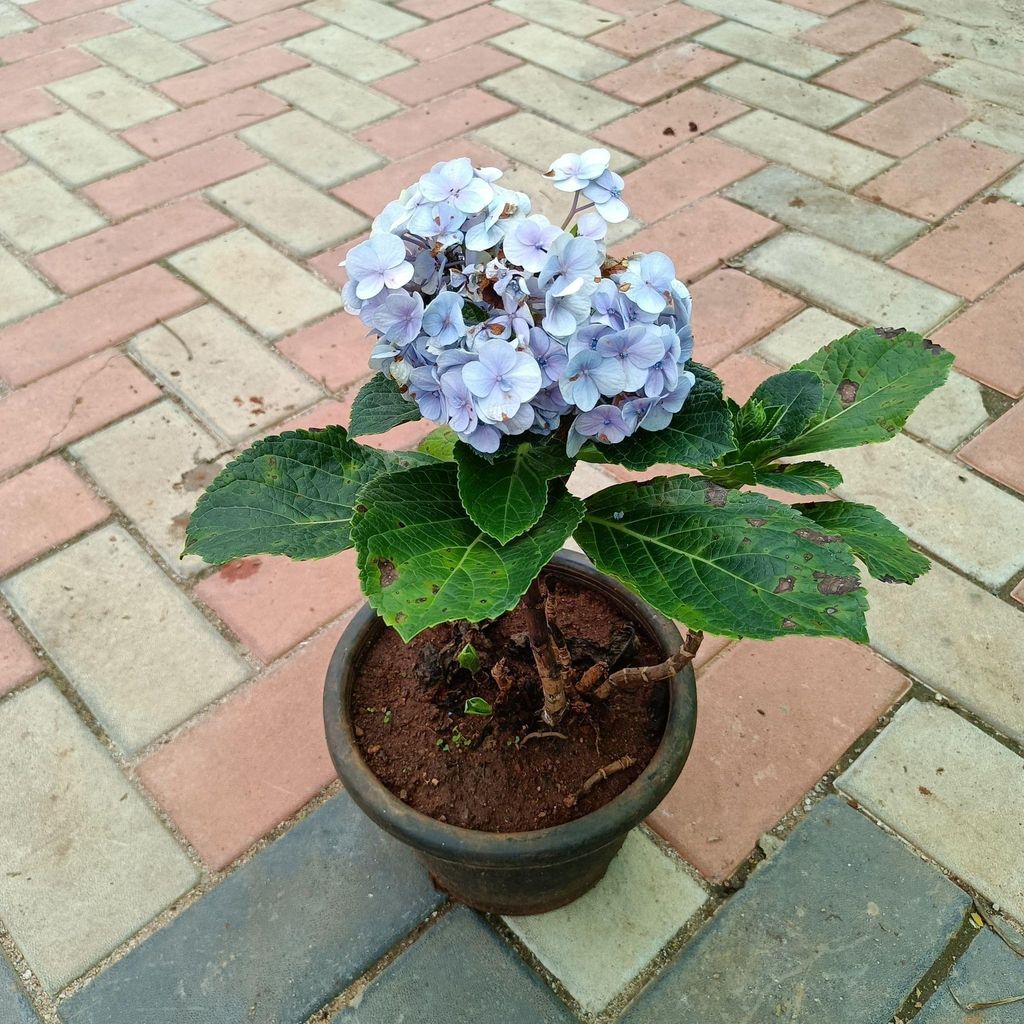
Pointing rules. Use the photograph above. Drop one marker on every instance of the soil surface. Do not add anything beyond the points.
(487, 772)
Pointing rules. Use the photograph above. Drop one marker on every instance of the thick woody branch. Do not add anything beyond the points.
(545, 655)
(634, 678)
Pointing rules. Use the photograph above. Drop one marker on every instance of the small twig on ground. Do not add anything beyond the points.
(633, 678)
(599, 776)
(987, 1004)
(542, 735)
(989, 919)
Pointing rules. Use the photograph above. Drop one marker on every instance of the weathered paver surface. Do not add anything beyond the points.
(178, 182)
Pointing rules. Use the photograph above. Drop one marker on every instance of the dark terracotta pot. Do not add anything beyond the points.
(515, 872)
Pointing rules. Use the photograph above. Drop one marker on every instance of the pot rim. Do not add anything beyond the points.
(556, 842)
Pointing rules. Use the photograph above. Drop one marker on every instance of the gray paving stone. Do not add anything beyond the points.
(983, 82)
(23, 293)
(1013, 188)
(956, 638)
(799, 338)
(840, 163)
(767, 15)
(259, 285)
(562, 15)
(287, 210)
(14, 1005)
(12, 20)
(172, 19)
(459, 972)
(989, 970)
(331, 98)
(951, 414)
(953, 792)
(74, 149)
(576, 106)
(807, 204)
(310, 148)
(276, 940)
(646, 892)
(84, 862)
(36, 213)
(996, 126)
(849, 283)
(367, 17)
(143, 54)
(762, 87)
(230, 379)
(350, 53)
(558, 52)
(949, 510)
(111, 98)
(140, 654)
(790, 56)
(838, 926)
(941, 37)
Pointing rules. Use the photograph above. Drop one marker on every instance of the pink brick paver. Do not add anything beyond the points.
(382, 107)
(665, 125)
(856, 28)
(970, 252)
(880, 71)
(732, 309)
(988, 339)
(93, 320)
(663, 72)
(923, 186)
(250, 763)
(702, 236)
(173, 176)
(41, 508)
(18, 663)
(907, 121)
(773, 718)
(997, 450)
(273, 603)
(111, 252)
(637, 36)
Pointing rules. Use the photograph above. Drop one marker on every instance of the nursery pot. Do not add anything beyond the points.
(515, 872)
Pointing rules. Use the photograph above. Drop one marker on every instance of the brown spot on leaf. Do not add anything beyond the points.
(240, 570)
(361, 509)
(848, 391)
(788, 624)
(816, 537)
(890, 332)
(833, 586)
(756, 520)
(434, 588)
(786, 584)
(890, 579)
(388, 574)
(930, 346)
(715, 495)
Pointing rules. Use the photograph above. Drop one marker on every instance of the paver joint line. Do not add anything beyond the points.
(179, 182)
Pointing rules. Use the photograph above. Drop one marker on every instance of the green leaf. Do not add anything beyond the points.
(422, 560)
(469, 659)
(776, 412)
(288, 495)
(440, 444)
(379, 406)
(877, 542)
(799, 477)
(706, 377)
(507, 495)
(477, 706)
(872, 380)
(699, 433)
(734, 564)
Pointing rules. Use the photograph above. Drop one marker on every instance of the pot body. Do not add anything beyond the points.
(518, 872)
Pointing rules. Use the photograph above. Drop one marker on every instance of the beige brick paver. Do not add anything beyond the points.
(179, 180)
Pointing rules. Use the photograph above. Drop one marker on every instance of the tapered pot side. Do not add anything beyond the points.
(515, 872)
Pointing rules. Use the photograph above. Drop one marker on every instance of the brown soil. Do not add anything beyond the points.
(482, 772)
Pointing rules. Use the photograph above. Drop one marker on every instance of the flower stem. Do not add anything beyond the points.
(545, 655)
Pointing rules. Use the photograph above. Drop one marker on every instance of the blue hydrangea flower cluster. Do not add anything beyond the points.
(497, 322)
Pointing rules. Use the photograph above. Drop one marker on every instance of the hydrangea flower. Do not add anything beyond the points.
(497, 322)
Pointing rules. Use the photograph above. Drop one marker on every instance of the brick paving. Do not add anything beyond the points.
(178, 181)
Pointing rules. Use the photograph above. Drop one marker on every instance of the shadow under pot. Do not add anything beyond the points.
(516, 872)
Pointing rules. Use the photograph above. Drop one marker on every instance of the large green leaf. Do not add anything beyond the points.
(422, 560)
(873, 379)
(775, 413)
(288, 495)
(507, 495)
(799, 477)
(734, 564)
(440, 443)
(876, 541)
(379, 406)
(699, 433)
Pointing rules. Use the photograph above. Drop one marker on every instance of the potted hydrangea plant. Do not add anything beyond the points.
(507, 708)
